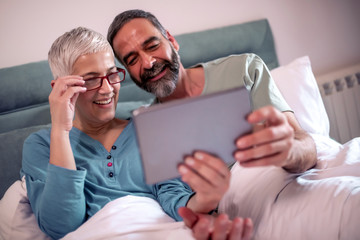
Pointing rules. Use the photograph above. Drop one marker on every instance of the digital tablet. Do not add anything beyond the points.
(168, 132)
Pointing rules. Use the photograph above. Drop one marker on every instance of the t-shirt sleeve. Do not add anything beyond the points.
(247, 70)
(258, 80)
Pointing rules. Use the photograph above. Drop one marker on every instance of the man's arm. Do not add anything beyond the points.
(279, 141)
(303, 155)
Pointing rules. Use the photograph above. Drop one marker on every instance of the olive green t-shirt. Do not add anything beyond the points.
(244, 70)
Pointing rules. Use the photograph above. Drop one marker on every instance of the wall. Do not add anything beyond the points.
(326, 30)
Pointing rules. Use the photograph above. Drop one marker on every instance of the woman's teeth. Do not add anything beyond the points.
(103, 102)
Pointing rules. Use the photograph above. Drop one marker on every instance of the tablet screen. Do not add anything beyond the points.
(168, 132)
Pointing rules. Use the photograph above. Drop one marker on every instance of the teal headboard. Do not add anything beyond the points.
(25, 89)
(251, 37)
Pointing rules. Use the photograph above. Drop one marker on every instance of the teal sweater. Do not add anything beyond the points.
(63, 199)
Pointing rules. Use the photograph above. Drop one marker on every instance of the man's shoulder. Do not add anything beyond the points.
(234, 59)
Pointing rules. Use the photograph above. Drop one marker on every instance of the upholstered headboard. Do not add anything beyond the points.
(251, 37)
(25, 89)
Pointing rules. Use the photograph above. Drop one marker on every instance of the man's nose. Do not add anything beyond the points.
(148, 61)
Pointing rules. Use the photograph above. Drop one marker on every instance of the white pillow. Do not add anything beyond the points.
(17, 221)
(297, 84)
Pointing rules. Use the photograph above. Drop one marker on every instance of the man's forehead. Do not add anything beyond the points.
(139, 23)
(135, 31)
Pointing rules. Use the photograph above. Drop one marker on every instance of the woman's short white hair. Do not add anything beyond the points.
(71, 45)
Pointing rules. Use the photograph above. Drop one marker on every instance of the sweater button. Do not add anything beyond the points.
(109, 156)
(111, 174)
(109, 164)
(113, 147)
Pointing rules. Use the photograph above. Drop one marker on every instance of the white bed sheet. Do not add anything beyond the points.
(322, 203)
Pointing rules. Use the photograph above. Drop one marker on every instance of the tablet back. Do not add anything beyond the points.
(167, 132)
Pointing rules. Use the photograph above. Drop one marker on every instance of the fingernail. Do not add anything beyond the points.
(240, 143)
(182, 169)
(239, 223)
(199, 155)
(238, 155)
(248, 223)
(189, 161)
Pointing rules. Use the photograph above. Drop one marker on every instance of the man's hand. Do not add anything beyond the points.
(209, 227)
(278, 140)
(209, 177)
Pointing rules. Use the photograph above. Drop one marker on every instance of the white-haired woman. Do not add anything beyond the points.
(88, 157)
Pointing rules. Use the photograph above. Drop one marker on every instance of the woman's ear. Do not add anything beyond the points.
(52, 83)
(172, 40)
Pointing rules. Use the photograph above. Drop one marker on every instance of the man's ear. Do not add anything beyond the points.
(52, 83)
(172, 40)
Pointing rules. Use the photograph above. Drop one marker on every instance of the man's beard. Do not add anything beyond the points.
(166, 85)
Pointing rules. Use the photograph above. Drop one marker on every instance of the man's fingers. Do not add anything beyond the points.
(221, 227)
(247, 229)
(188, 216)
(265, 136)
(236, 231)
(201, 230)
(241, 229)
(267, 114)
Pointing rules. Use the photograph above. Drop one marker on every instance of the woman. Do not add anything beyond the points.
(89, 158)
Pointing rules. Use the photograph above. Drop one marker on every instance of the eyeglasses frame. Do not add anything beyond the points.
(118, 70)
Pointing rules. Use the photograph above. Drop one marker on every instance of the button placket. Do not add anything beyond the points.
(110, 164)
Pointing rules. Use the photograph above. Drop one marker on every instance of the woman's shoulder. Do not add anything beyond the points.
(39, 133)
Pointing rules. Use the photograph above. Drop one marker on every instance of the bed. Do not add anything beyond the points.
(322, 203)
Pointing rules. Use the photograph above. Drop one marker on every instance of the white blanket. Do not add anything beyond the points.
(322, 203)
(131, 218)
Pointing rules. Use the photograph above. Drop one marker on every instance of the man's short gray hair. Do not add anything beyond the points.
(121, 19)
(71, 45)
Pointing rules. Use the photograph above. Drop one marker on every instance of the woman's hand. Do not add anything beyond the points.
(62, 100)
(209, 177)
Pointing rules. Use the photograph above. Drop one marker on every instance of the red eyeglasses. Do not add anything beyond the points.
(112, 78)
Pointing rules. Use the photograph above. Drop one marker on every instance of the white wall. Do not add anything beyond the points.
(326, 30)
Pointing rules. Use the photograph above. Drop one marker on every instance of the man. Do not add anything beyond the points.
(149, 53)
